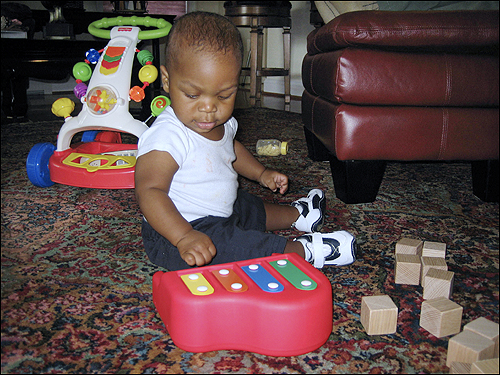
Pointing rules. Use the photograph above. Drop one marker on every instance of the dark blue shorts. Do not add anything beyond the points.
(238, 237)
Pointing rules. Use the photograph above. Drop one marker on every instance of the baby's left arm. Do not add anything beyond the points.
(249, 167)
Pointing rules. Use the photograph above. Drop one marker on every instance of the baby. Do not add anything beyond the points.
(188, 163)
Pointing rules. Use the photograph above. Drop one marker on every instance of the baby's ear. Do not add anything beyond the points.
(164, 78)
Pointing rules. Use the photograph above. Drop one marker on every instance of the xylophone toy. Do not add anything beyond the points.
(278, 305)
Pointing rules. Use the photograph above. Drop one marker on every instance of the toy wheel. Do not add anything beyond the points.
(37, 164)
(163, 27)
(89, 135)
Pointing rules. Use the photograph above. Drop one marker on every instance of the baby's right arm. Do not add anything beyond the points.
(153, 175)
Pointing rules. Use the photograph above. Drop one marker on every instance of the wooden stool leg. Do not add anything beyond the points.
(260, 57)
(256, 33)
(253, 60)
(286, 51)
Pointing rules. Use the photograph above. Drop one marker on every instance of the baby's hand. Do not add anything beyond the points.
(196, 248)
(274, 180)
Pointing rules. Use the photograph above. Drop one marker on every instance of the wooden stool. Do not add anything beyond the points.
(268, 14)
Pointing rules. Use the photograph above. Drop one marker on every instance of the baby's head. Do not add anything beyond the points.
(203, 66)
(203, 32)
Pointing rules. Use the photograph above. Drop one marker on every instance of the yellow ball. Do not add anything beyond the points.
(63, 107)
(148, 73)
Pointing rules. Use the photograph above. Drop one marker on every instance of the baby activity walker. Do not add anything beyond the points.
(101, 160)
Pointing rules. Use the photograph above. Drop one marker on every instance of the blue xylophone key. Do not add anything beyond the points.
(263, 279)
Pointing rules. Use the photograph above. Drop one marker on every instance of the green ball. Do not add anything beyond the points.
(82, 71)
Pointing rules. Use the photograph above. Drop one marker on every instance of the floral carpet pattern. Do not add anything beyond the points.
(77, 285)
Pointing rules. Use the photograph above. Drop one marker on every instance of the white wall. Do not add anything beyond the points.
(299, 31)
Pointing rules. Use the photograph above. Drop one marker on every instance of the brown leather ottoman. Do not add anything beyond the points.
(403, 86)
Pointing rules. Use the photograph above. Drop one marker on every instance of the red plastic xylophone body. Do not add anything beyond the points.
(278, 305)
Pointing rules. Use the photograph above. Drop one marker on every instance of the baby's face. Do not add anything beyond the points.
(202, 87)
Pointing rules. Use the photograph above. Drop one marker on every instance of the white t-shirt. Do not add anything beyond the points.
(206, 182)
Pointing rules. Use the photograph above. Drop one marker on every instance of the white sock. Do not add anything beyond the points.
(300, 209)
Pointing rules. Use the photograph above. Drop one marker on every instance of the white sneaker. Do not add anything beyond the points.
(311, 211)
(330, 249)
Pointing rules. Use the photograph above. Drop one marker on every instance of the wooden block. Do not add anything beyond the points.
(431, 262)
(486, 366)
(469, 347)
(441, 317)
(409, 246)
(407, 269)
(460, 368)
(486, 328)
(379, 315)
(434, 249)
(438, 283)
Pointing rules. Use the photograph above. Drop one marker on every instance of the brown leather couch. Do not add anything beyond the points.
(405, 86)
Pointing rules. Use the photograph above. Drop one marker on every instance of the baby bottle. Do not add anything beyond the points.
(271, 147)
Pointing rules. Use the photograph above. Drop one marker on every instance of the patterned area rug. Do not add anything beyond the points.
(77, 285)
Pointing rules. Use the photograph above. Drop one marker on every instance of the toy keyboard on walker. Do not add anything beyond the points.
(278, 305)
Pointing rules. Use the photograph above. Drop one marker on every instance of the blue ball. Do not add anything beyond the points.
(92, 55)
